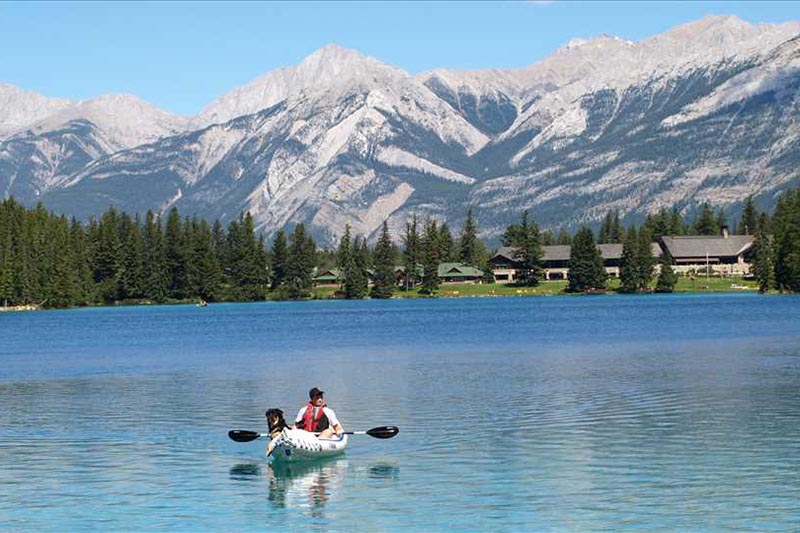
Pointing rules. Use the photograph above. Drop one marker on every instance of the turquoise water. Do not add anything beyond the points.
(562, 413)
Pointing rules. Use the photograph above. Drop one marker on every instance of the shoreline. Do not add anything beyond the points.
(455, 290)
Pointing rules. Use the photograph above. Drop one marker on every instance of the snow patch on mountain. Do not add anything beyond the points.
(560, 132)
(758, 80)
(363, 221)
(212, 146)
(399, 158)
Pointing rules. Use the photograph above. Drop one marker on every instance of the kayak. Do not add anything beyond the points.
(294, 445)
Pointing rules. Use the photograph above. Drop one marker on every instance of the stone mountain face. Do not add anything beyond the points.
(707, 111)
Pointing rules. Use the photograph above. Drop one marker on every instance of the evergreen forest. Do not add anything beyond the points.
(51, 261)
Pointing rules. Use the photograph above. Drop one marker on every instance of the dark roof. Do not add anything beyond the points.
(505, 252)
(716, 246)
(556, 252)
(561, 252)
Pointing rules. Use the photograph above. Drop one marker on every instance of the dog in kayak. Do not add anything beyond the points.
(275, 426)
(280, 433)
(275, 422)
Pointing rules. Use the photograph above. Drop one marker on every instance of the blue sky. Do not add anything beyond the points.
(182, 55)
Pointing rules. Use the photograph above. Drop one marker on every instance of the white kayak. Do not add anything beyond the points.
(294, 445)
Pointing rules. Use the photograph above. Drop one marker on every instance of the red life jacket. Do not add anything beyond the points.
(312, 424)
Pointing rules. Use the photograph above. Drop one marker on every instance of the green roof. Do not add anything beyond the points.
(458, 270)
(330, 274)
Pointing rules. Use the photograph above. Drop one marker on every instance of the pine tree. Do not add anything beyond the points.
(667, 278)
(645, 265)
(345, 260)
(564, 238)
(628, 271)
(344, 253)
(529, 252)
(177, 255)
(246, 261)
(107, 256)
(526, 239)
(301, 264)
(786, 229)
(471, 247)
(204, 272)
(615, 233)
(515, 233)
(155, 269)
(676, 224)
(219, 243)
(80, 263)
(722, 220)
(659, 224)
(446, 244)
(602, 234)
(548, 238)
(611, 229)
(763, 266)
(262, 263)
(586, 269)
(705, 223)
(131, 277)
(764, 223)
(430, 258)
(748, 225)
(488, 273)
(40, 266)
(7, 232)
(412, 253)
(359, 279)
(280, 261)
(63, 282)
(384, 281)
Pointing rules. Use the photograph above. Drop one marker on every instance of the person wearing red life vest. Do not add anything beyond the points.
(318, 417)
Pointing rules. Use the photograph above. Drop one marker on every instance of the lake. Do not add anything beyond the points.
(549, 413)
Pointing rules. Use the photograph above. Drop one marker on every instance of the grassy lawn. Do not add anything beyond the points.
(497, 289)
(461, 290)
(702, 284)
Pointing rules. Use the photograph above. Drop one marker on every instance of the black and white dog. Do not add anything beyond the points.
(275, 422)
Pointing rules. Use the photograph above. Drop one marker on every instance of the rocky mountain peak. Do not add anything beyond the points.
(327, 69)
(20, 108)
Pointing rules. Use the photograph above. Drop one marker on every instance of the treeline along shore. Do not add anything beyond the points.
(51, 261)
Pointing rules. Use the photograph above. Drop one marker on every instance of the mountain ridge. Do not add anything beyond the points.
(343, 138)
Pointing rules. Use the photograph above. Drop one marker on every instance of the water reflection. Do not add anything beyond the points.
(307, 486)
(383, 471)
(245, 472)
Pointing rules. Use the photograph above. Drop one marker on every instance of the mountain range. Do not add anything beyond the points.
(707, 111)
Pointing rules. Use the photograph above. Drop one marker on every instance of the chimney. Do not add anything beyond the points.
(723, 230)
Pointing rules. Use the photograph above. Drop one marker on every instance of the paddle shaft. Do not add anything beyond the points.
(383, 432)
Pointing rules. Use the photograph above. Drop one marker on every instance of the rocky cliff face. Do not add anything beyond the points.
(707, 111)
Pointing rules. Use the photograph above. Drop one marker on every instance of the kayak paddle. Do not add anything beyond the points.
(242, 435)
(381, 432)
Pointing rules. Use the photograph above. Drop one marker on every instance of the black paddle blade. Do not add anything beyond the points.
(383, 432)
(242, 435)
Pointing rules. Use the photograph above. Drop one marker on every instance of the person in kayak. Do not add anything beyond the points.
(318, 417)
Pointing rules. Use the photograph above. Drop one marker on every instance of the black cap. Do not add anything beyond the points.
(314, 393)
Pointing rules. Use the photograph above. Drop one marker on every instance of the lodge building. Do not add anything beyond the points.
(722, 255)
